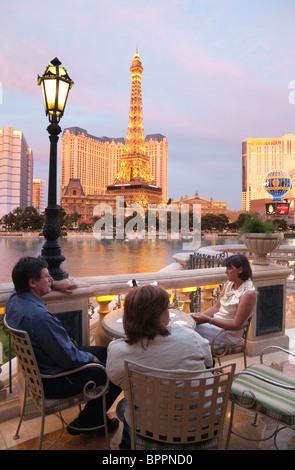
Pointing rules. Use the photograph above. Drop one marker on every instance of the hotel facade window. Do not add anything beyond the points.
(16, 171)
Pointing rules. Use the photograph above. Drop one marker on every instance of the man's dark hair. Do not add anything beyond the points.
(25, 269)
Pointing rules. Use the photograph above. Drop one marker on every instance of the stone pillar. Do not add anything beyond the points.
(269, 318)
(73, 314)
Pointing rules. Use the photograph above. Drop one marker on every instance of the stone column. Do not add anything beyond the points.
(269, 318)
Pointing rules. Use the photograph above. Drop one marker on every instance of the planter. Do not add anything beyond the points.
(261, 244)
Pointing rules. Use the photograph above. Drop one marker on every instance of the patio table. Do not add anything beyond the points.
(112, 323)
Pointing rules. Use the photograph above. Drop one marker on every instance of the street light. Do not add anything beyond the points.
(55, 84)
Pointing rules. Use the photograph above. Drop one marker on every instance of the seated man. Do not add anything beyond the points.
(54, 350)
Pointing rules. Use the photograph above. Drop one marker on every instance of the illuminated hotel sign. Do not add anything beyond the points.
(277, 208)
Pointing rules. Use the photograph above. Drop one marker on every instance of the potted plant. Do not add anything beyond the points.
(259, 237)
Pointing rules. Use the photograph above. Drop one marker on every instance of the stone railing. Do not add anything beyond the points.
(284, 254)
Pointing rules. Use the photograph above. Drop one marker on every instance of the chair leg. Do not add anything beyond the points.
(16, 436)
(41, 430)
(104, 409)
(255, 420)
(230, 425)
(245, 358)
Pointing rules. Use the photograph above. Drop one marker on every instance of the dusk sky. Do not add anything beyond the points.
(215, 72)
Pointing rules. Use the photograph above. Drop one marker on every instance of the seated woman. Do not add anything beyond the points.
(151, 342)
(234, 305)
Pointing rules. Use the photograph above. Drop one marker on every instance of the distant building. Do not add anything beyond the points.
(95, 161)
(39, 195)
(209, 206)
(16, 171)
(74, 201)
(259, 157)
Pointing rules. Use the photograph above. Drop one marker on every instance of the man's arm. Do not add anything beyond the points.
(64, 285)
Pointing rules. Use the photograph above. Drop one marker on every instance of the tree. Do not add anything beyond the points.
(31, 219)
(214, 222)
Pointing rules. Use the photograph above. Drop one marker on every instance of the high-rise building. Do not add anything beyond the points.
(259, 157)
(134, 180)
(16, 171)
(39, 195)
(95, 161)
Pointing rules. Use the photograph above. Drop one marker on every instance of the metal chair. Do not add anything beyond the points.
(177, 409)
(222, 349)
(267, 391)
(33, 386)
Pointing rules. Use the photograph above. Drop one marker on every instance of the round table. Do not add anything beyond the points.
(112, 323)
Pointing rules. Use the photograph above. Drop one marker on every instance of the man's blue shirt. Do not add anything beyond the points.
(54, 350)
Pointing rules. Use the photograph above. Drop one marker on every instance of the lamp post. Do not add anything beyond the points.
(55, 84)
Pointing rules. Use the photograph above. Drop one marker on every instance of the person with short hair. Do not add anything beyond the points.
(233, 307)
(152, 342)
(54, 350)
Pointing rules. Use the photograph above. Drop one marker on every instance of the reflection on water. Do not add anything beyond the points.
(87, 256)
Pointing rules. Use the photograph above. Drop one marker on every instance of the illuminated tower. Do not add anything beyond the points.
(134, 180)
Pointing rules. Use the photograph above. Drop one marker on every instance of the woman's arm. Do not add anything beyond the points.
(244, 309)
(214, 309)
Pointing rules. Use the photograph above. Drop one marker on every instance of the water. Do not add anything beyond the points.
(87, 256)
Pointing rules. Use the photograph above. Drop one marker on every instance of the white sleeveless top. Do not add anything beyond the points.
(230, 300)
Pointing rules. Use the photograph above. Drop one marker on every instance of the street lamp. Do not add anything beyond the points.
(55, 84)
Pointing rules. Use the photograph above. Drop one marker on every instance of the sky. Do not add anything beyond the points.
(215, 72)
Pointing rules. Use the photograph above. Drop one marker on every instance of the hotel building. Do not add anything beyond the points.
(39, 195)
(16, 171)
(95, 162)
(259, 157)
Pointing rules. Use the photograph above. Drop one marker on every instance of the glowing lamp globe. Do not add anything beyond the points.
(277, 183)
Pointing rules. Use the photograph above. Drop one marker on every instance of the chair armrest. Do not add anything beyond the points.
(225, 346)
(276, 348)
(222, 346)
(90, 382)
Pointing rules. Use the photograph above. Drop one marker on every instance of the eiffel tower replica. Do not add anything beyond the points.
(134, 180)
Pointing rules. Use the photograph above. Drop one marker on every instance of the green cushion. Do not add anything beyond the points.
(270, 400)
(54, 405)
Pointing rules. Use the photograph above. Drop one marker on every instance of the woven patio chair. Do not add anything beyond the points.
(177, 409)
(33, 385)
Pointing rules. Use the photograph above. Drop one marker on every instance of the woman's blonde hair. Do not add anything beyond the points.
(143, 307)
